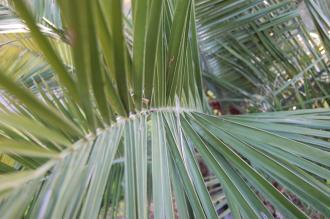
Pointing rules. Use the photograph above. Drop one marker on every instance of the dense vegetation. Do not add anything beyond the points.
(105, 114)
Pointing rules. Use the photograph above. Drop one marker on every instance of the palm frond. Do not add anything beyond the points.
(320, 12)
(120, 128)
(261, 52)
(245, 157)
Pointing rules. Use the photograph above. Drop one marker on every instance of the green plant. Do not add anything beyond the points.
(111, 115)
(260, 53)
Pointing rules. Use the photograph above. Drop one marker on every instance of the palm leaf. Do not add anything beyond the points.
(120, 129)
(259, 53)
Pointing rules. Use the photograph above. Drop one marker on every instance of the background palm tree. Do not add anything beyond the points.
(104, 115)
(261, 54)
